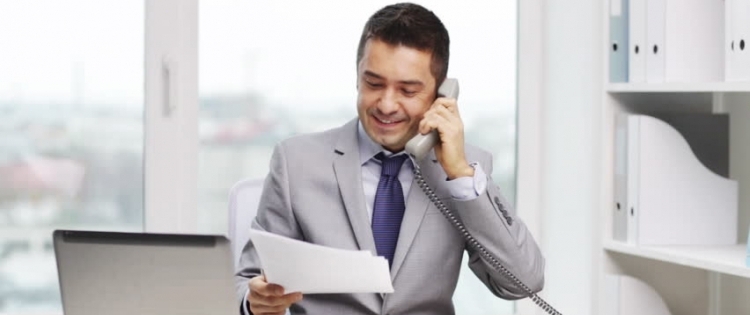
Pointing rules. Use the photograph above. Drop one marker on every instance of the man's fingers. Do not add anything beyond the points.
(265, 310)
(260, 286)
(272, 304)
(274, 289)
(448, 103)
(446, 113)
(286, 299)
(432, 120)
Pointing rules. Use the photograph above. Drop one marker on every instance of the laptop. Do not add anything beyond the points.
(139, 273)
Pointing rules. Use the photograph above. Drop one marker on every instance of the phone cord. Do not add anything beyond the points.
(478, 247)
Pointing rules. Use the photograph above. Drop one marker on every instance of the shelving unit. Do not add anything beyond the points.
(679, 272)
(687, 87)
(693, 280)
(728, 259)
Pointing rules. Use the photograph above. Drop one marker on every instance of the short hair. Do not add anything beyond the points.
(413, 26)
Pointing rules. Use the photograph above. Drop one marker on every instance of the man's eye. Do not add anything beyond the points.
(409, 92)
(373, 84)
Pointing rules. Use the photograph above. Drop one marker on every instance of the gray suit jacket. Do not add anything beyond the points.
(314, 193)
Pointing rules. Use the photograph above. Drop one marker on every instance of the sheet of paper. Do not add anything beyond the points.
(309, 268)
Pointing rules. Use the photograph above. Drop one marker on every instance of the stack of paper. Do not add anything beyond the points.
(309, 268)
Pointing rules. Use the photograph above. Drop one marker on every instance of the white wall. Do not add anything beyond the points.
(530, 99)
(571, 116)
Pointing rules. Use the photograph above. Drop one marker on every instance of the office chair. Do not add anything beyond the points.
(244, 198)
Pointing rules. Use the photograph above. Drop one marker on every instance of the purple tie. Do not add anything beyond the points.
(388, 208)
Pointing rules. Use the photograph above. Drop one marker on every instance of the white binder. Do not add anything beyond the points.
(637, 41)
(656, 24)
(630, 296)
(685, 40)
(633, 173)
(730, 43)
(740, 32)
(673, 199)
(626, 179)
(620, 210)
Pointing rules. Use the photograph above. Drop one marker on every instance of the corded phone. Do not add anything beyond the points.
(417, 148)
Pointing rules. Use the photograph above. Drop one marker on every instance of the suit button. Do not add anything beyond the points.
(508, 219)
(499, 204)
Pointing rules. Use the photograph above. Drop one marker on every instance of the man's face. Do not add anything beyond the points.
(395, 88)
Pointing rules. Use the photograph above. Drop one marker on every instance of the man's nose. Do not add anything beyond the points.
(388, 104)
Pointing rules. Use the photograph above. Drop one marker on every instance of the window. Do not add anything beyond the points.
(72, 108)
(272, 69)
(71, 134)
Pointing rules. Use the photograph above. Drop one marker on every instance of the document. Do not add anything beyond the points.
(309, 268)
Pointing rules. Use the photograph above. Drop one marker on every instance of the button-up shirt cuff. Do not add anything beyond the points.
(467, 188)
(245, 303)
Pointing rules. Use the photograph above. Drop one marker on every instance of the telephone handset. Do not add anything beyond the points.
(420, 145)
(417, 148)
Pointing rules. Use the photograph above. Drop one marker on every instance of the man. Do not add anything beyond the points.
(351, 187)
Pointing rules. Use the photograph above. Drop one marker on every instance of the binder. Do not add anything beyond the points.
(626, 295)
(686, 40)
(612, 294)
(637, 41)
(618, 41)
(672, 197)
(741, 33)
(620, 211)
(731, 47)
(656, 26)
(633, 209)
(624, 227)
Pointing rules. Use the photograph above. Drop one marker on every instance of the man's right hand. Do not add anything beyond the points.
(269, 299)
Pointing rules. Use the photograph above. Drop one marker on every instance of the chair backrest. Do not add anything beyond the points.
(244, 198)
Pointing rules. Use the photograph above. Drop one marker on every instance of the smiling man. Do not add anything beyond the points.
(352, 187)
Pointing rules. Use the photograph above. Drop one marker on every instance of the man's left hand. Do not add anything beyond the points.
(444, 117)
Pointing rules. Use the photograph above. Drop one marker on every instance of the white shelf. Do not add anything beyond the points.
(698, 87)
(728, 259)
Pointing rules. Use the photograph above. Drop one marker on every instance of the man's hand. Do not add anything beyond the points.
(443, 116)
(269, 299)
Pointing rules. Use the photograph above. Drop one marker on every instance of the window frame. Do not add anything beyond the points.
(171, 134)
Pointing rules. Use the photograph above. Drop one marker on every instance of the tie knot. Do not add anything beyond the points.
(391, 165)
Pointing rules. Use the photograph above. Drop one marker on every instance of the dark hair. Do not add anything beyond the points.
(413, 26)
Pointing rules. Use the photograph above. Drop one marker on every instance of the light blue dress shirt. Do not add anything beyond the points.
(462, 188)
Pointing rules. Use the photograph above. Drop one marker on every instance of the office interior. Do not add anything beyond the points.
(141, 116)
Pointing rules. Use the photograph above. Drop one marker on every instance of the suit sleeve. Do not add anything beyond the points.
(493, 222)
(274, 215)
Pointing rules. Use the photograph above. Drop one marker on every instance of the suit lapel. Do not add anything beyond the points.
(416, 207)
(348, 172)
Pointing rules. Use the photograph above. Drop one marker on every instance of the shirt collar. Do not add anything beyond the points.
(369, 148)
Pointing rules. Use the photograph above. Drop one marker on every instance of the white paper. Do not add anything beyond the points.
(309, 268)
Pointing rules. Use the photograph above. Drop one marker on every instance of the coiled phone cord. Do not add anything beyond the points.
(478, 247)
